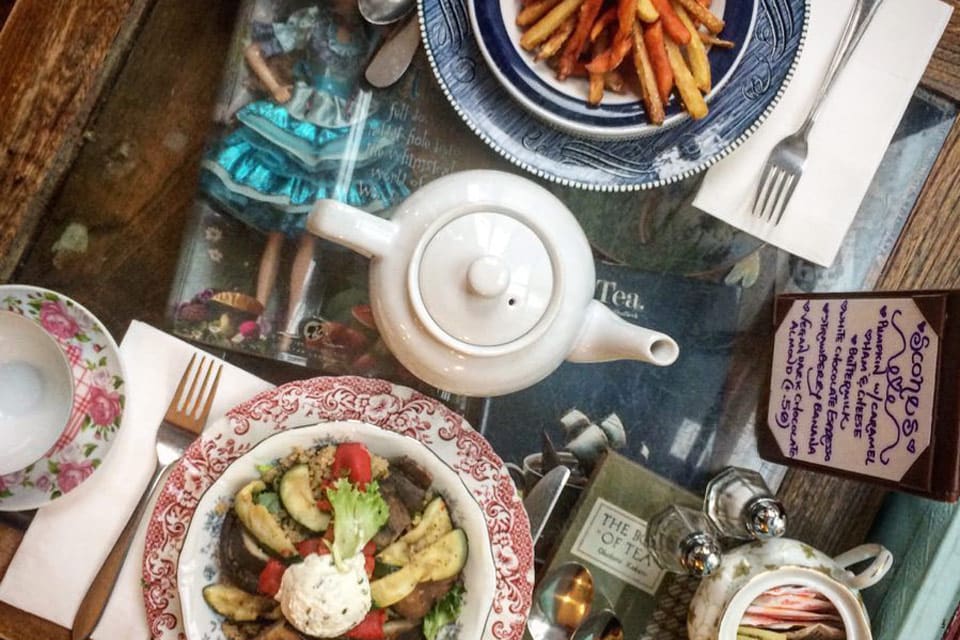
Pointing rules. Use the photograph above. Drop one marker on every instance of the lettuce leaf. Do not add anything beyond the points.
(357, 517)
(445, 611)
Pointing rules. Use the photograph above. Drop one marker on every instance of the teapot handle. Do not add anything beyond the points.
(870, 576)
(363, 232)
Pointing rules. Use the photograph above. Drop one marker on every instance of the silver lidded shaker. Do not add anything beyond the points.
(741, 505)
(683, 540)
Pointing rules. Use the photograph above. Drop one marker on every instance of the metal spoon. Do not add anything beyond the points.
(561, 602)
(383, 12)
(601, 625)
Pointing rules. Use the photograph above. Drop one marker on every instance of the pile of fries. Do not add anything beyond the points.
(668, 40)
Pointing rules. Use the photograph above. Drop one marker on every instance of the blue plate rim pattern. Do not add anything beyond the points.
(620, 183)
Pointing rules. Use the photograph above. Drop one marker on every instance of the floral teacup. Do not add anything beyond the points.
(719, 605)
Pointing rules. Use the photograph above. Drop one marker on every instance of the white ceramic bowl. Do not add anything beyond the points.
(198, 558)
(36, 392)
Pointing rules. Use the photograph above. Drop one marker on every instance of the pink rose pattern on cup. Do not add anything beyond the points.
(98, 399)
(57, 320)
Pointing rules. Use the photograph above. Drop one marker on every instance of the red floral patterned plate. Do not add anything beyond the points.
(98, 398)
(374, 402)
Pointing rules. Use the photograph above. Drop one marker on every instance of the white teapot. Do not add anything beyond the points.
(482, 283)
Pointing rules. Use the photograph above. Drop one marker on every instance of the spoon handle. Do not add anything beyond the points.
(394, 57)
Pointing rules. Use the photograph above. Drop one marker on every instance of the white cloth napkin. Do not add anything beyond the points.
(852, 133)
(68, 539)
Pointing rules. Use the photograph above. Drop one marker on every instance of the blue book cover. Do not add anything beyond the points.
(670, 414)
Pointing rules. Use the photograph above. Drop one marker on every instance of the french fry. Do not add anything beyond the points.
(533, 11)
(686, 86)
(648, 81)
(713, 41)
(671, 23)
(706, 3)
(549, 23)
(613, 80)
(703, 15)
(575, 43)
(596, 84)
(607, 18)
(657, 52)
(595, 95)
(647, 12)
(552, 44)
(696, 52)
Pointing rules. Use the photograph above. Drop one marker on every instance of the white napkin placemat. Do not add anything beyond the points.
(852, 134)
(68, 539)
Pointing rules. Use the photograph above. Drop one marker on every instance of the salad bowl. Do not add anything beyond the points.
(442, 437)
(199, 565)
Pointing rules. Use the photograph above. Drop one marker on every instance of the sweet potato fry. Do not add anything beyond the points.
(533, 11)
(702, 15)
(552, 44)
(671, 23)
(686, 86)
(647, 12)
(696, 52)
(548, 24)
(657, 52)
(627, 16)
(606, 18)
(612, 57)
(706, 3)
(648, 81)
(713, 41)
(576, 42)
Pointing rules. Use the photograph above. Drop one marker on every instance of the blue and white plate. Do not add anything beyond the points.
(563, 103)
(545, 127)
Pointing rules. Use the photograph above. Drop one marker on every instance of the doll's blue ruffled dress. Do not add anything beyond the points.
(327, 141)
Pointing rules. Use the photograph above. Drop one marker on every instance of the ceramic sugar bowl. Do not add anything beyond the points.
(482, 283)
(780, 565)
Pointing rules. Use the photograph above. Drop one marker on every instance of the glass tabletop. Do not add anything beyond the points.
(692, 275)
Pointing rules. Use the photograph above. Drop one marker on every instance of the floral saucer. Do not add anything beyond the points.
(307, 402)
(98, 398)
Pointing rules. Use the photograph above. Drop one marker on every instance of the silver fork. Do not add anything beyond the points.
(784, 166)
(185, 418)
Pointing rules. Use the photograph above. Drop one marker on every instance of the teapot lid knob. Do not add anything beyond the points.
(766, 518)
(488, 276)
(483, 279)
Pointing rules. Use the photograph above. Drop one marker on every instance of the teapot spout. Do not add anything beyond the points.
(606, 336)
(363, 232)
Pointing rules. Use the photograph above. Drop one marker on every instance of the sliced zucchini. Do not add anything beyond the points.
(238, 605)
(260, 523)
(395, 586)
(297, 498)
(434, 523)
(444, 558)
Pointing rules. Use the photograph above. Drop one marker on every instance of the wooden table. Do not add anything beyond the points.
(105, 105)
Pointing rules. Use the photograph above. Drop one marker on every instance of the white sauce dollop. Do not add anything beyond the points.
(321, 601)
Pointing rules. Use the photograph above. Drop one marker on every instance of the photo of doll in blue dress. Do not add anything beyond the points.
(320, 136)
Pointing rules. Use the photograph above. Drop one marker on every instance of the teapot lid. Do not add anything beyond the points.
(485, 279)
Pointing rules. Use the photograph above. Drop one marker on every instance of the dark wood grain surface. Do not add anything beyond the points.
(106, 104)
(943, 73)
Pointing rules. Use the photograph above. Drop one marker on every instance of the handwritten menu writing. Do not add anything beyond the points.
(614, 540)
(852, 385)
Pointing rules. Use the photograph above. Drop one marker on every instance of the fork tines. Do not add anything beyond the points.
(190, 410)
(773, 194)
